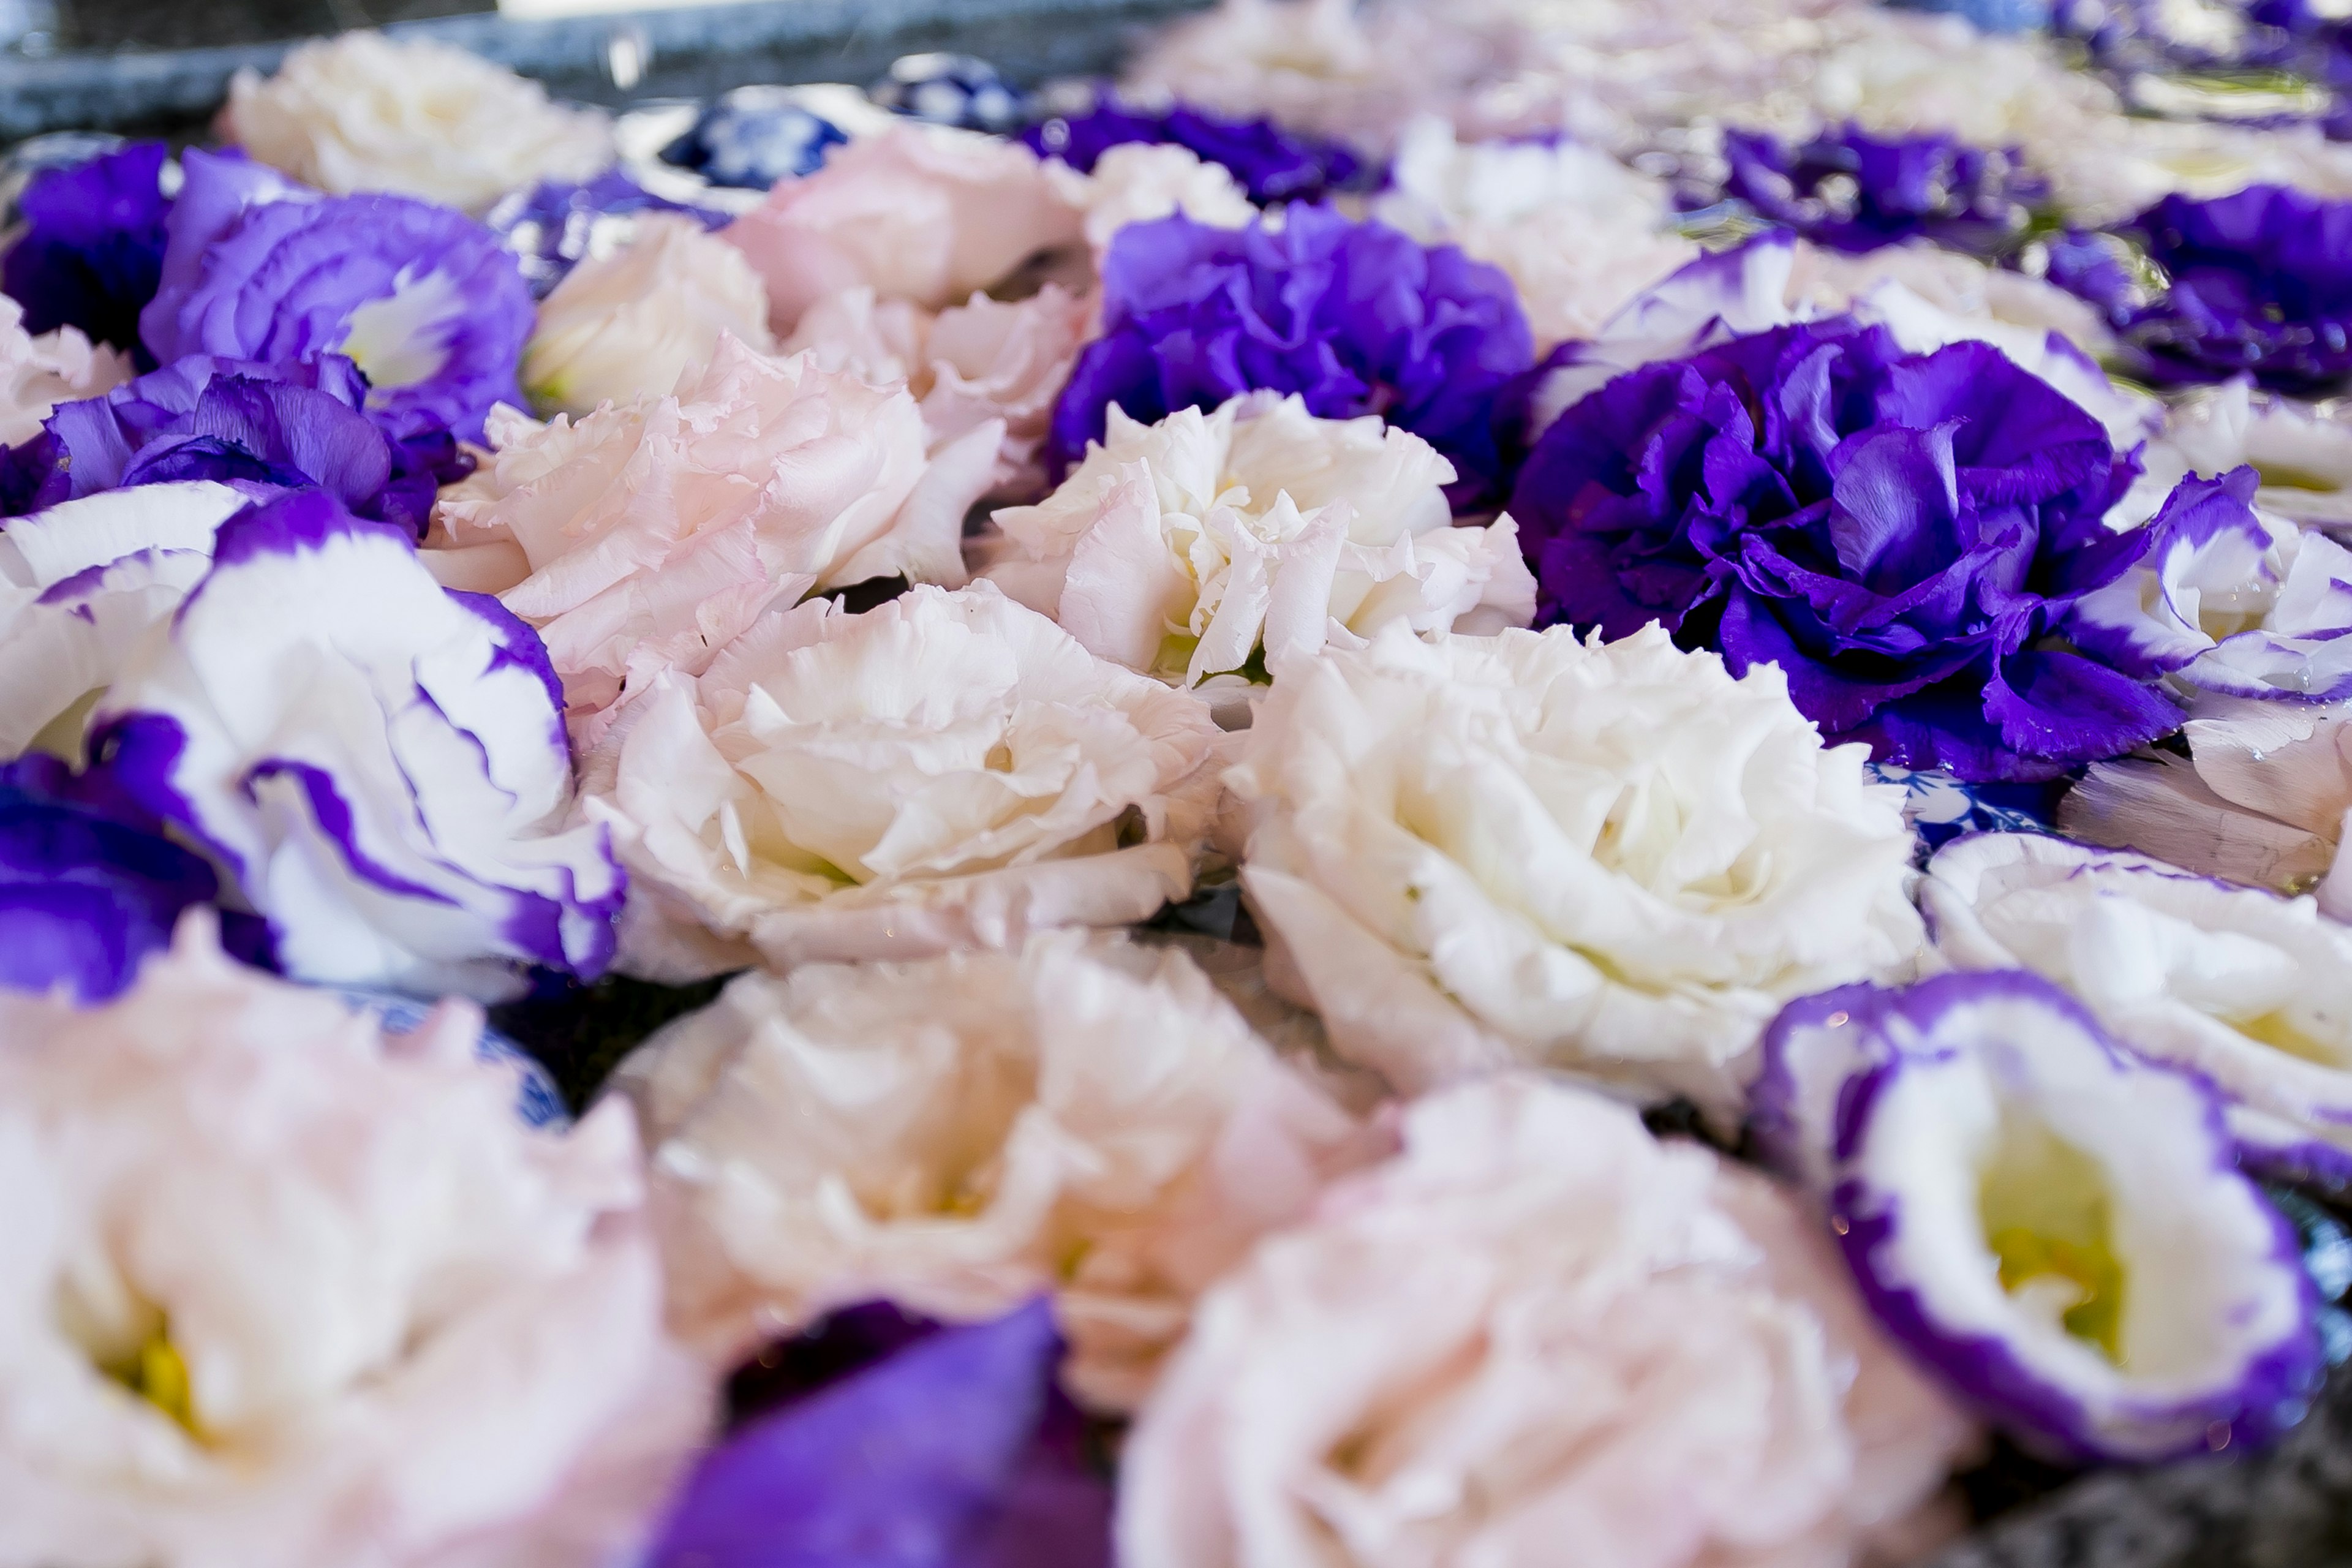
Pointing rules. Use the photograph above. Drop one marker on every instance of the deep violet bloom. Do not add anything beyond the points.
(552, 226)
(92, 249)
(1853, 191)
(1272, 163)
(421, 296)
(264, 428)
(1354, 317)
(2258, 283)
(1900, 533)
(954, 1450)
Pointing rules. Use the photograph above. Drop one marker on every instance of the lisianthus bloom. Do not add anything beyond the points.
(944, 771)
(2056, 1226)
(2251, 991)
(36, 374)
(380, 763)
(1899, 532)
(636, 322)
(2301, 454)
(421, 298)
(920, 213)
(648, 537)
(1355, 318)
(1273, 164)
(413, 115)
(1140, 182)
(1206, 544)
(289, 1290)
(1469, 852)
(552, 226)
(1080, 1116)
(1851, 190)
(1535, 1326)
(92, 249)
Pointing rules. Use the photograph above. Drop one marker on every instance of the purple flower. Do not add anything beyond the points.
(422, 298)
(1272, 163)
(262, 427)
(92, 249)
(1901, 533)
(1354, 317)
(550, 228)
(2258, 283)
(1853, 191)
(954, 1451)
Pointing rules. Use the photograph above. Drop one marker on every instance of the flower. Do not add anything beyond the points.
(1849, 190)
(288, 1290)
(552, 228)
(1353, 317)
(1078, 1116)
(2057, 1227)
(422, 299)
(643, 319)
(378, 763)
(1536, 1325)
(37, 374)
(1897, 532)
(919, 213)
(1207, 543)
(1139, 182)
(648, 537)
(944, 771)
(92, 249)
(2301, 454)
(1468, 852)
(2238, 985)
(419, 117)
(1272, 163)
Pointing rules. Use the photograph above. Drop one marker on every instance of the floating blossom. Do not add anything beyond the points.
(380, 763)
(38, 373)
(418, 118)
(2302, 455)
(1273, 164)
(1079, 1116)
(1536, 1325)
(552, 226)
(1899, 532)
(1139, 182)
(1475, 851)
(92, 249)
(2250, 991)
(2056, 1227)
(1206, 544)
(275, 1278)
(648, 537)
(422, 299)
(638, 321)
(1353, 317)
(945, 771)
(1853, 191)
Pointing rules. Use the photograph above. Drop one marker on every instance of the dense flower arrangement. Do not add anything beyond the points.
(1452, 777)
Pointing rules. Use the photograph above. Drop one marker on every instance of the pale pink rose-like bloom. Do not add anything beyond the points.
(1080, 1115)
(38, 373)
(648, 537)
(920, 213)
(278, 1290)
(946, 770)
(1138, 182)
(1537, 1330)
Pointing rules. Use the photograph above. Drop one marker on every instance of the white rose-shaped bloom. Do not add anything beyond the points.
(1181, 549)
(944, 771)
(1536, 1335)
(38, 373)
(638, 321)
(1468, 852)
(2304, 454)
(1138, 182)
(280, 1290)
(648, 537)
(364, 112)
(957, 1135)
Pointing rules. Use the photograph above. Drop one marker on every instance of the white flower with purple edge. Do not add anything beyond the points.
(2303, 453)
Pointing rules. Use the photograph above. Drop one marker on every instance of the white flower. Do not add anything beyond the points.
(279, 1290)
(1182, 549)
(960, 1134)
(1139, 182)
(1537, 1332)
(38, 373)
(1475, 851)
(365, 112)
(2304, 454)
(638, 321)
(944, 771)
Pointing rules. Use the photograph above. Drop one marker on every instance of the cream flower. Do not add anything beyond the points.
(279, 1290)
(364, 112)
(1537, 1326)
(944, 771)
(1469, 852)
(38, 373)
(958, 1135)
(648, 537)
(1182, 549)
(638, 321)
(2303, 453)
(1139, 182)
